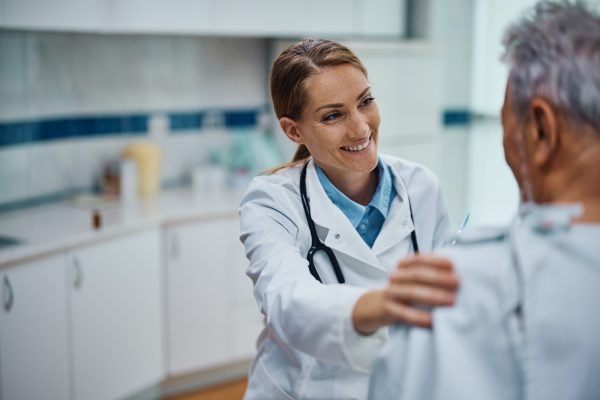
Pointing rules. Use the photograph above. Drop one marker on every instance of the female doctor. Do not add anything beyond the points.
(324, 234)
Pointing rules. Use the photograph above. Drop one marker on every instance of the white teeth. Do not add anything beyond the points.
(358, 147)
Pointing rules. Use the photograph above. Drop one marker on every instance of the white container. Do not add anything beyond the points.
(129, 184)
(209, 179)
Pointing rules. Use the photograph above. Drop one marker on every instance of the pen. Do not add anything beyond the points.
(460, 229)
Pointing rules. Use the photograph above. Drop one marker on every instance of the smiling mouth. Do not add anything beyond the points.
(358, 147)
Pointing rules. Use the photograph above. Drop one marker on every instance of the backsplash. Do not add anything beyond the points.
(72, 102)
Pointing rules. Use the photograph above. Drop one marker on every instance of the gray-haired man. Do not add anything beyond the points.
(526, 322)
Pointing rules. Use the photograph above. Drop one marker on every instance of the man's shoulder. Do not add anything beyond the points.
(472, 237)
(480, 253)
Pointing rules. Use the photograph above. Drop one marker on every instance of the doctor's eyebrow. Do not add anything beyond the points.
(338, 105)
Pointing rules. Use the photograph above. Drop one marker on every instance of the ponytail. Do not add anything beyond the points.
(302, 153)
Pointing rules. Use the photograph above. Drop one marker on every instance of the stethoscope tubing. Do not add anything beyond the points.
(317, 245)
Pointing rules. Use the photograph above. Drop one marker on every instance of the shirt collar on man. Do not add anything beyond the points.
(354, 212)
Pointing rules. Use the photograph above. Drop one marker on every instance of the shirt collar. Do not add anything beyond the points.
(381, 199)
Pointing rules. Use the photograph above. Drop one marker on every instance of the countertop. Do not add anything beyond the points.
(61, 226)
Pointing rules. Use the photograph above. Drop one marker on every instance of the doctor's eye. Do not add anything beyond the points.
(367, 101)
(331, 117)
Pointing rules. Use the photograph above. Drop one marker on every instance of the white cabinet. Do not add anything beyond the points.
(116, 302)
(34, 352)
(212, 317)
(263, 18)
(85, 325)
(163, 16)
(285, 18)
(196, 296)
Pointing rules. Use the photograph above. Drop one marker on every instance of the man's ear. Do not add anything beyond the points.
(290, 127)
(543, 132)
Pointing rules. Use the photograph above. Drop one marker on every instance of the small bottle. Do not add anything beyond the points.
(96, 219)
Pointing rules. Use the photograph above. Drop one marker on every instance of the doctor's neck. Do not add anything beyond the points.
(357, 186)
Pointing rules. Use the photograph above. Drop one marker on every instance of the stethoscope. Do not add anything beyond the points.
(317, 245)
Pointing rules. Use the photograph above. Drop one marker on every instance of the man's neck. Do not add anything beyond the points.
(577, 180)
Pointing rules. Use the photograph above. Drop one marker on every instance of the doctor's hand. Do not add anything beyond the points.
(419, 282)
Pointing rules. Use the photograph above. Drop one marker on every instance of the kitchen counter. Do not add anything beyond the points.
(61, 226)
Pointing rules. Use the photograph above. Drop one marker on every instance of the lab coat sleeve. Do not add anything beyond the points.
(300, 311)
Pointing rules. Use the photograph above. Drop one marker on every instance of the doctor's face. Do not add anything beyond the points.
(340, 122)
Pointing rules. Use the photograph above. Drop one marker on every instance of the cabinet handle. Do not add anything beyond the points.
(9, 296)
(78, 271)
(174, 246)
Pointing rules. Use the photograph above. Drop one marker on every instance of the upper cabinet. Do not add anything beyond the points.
(55, 15)
(258, 18)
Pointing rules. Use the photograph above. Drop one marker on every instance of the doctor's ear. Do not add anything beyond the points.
(544, 136)
(290, 128)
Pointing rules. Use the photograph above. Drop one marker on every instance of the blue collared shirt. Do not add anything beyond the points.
(367, 220)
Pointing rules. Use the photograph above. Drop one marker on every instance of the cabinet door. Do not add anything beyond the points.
(380, 18)
(284, 18)
(198, 295)
(33, 331)
(116, 316)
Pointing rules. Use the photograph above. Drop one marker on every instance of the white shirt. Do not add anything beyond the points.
(309, 348)
(525, 324)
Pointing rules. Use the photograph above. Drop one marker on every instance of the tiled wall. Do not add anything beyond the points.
(71, 102)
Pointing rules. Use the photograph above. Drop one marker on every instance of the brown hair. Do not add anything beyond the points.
(290, 71)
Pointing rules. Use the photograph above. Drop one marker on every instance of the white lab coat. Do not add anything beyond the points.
(525, 324)
(309, 349)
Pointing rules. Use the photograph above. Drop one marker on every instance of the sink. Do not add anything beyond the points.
(7, 241)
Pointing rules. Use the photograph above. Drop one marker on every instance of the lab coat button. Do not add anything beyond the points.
(337, 235)
(404, 222)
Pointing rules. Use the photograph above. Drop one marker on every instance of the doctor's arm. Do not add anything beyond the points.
(300, 311)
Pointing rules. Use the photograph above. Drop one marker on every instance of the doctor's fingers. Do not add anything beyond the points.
(419, 294)
(426, 275)
(418, 260)
(398, 312)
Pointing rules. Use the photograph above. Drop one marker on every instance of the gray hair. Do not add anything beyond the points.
(553, 52)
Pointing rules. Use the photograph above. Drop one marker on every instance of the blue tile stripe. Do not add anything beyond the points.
(185, 121)
(23, 132)
(456, 117)
(240, 118)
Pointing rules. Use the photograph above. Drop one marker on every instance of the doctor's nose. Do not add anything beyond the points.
(358, 126)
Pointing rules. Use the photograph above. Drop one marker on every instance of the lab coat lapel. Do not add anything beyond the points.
(341, 235)
(398, 224)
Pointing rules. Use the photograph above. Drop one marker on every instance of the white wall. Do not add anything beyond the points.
(451, 31)
(491, 19)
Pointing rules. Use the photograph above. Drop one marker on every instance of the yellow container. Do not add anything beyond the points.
(147, 159)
